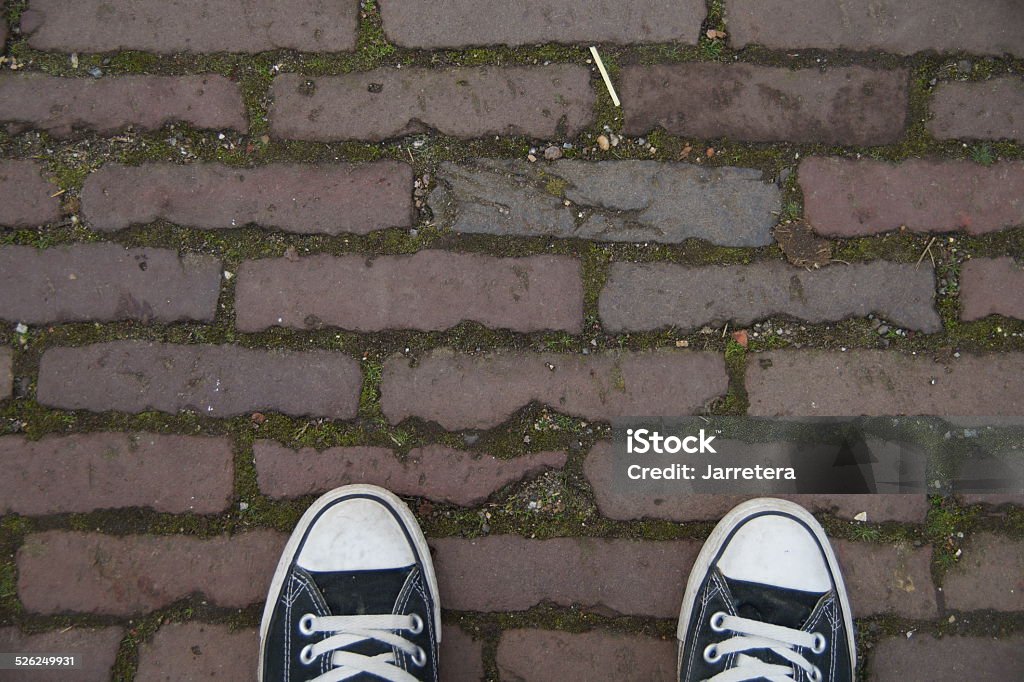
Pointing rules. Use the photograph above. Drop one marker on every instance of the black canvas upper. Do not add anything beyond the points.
(401, 591)
(807, 611)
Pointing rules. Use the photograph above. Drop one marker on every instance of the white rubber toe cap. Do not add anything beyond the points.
(776, 550)
(358, 534)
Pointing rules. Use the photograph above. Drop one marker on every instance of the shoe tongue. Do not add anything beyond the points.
(362, 593)
(771, 604)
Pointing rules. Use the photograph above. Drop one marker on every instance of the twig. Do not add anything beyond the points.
(927, 250)
(605, 76)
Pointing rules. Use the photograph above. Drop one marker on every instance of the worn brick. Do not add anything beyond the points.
(61, 106)
(849, 198)
(199, 651)
(26, 198)
(6, 372)
(69, 572)
(542, 101)
(510, 573)
(991, 286)
(215, 381)
(990, 575)
(329, 198)
(435, 472)
(96, 650)
(989, 110)
(927, 658)
(105, 282)
(85, 472)
(541, 655)
(994, 499)
(887, 578)
(900, 26)
(169, 26)
(613, 503)
(610, 201)
(643, 297)
(876, 383)
(462, 391)
(431, 290)
(461, 656)
(464, 23)
(846, 105)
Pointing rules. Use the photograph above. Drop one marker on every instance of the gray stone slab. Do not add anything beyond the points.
(619, 201)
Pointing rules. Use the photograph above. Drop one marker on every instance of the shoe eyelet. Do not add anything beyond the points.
(815, 675)
(306, 624)
(718, 621)
(417, 624)
(819, 644)
(711, 654)
(306, 655)
(419, 658)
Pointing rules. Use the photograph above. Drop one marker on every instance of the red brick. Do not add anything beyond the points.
(61, 106)
(96, 650)
(526, 655)
(329, 199)
(461, 657)
(436, 472)
(614, 504)
(845, 105)
(6, 372)
(461, 391)
(989, 575)
(951, 658)
(626, 577)
(85, 472)
(991, 286)
(900, 26)
(878, 383)
(199, 651)
(989, 110)
(463, 23)
(26, 198)
(887, 578)
(168, 27)
(215, 381)
(202, 651)
(848, 198)
(376, 105)
(70, 572)
(429, 291)
(106, 282)
(510, 573)
(645, 296)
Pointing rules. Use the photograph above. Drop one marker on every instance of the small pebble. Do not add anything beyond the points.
(552, 153)
(603, 143)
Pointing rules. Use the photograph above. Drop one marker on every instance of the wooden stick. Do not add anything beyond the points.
(605, 76)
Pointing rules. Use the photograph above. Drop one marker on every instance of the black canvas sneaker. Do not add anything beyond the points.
(766, 601)
(354, 596)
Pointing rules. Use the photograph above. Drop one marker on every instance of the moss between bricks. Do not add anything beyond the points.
(534, 428)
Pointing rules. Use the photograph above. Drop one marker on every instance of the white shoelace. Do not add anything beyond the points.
(348, 630)
(753, 635)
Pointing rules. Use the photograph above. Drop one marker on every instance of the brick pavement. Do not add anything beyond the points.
(251, 252)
